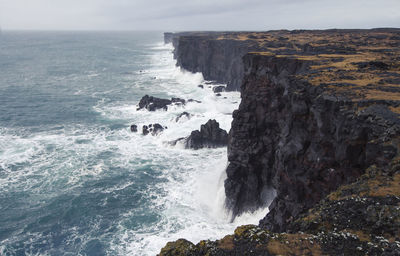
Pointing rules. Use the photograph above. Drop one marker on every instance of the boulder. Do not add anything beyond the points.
(133, 128)
(153, 103)
(220, 88)
(145, 130)
(209, 136)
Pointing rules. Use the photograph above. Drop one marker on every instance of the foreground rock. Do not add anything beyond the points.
(209, 136)
(153, 103)
(362, 218)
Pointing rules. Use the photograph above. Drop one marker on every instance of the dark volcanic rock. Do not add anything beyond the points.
(192, 100)
(133, 128)
(320, 111)
(361, 218)
(209, 136)
(220, 88)
(145, 130)
(153, 103)
(154, 129)
(178, 101)
(183, 114)
(201, 86)
(300, 141)
(218, 60)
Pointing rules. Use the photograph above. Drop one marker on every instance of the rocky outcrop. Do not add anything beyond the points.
(168, 37)
(320, 110)
(217, 60)
(219, 88)
(298, 140)
(153, 129)
(153, 103)
(361, 218)
(182, 116)
(209, 136)
(134, 128)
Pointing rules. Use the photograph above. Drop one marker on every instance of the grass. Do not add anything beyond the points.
(294, 244)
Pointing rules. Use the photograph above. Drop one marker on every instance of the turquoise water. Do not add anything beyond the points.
(73, 179)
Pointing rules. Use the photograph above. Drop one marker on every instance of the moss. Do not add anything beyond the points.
(294, 244)
(243, 230)
(226, 243)
(179, 247)
(372, 184)
(362, 235)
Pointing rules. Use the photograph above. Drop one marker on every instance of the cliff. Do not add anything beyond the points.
(300, 139)
(319, 110)
(362, 218)
(218, 58)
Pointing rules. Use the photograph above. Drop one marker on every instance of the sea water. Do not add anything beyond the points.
(74, 180)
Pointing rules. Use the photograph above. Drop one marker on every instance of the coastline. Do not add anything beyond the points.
(304, 134)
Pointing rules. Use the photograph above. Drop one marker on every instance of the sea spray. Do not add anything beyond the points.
(74, 178)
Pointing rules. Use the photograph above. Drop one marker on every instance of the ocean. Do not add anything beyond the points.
(74, 180)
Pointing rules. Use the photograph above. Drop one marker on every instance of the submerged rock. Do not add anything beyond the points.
(209, 136)
(133, 128)
(183, 115)
(220, 88)
(153, 103)
(154, 129)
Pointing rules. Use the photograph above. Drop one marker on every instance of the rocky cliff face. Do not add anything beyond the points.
(319, 110)
(219, 60)
(299, 140)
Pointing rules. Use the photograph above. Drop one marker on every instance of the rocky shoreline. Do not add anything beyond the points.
(316, 137)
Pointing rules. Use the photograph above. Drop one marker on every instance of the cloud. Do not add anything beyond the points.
(197, 14)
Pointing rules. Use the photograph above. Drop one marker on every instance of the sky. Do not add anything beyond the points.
(179, 15)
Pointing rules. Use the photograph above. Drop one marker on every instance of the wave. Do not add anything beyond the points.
(117, 190)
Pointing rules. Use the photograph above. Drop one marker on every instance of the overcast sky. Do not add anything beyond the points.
(176, 15)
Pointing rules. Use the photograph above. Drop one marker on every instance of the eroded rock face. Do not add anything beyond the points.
(218, 60)
(299, 140)
(209, 136)
(314, 116)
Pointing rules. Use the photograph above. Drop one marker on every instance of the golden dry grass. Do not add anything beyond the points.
(340, 61)
(294, 244)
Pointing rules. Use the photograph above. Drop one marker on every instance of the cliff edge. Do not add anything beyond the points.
(316, 136)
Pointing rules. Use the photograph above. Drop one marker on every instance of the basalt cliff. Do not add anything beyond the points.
(316, 137)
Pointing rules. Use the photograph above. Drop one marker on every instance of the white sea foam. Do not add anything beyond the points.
(192, 204)
(188, 202)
